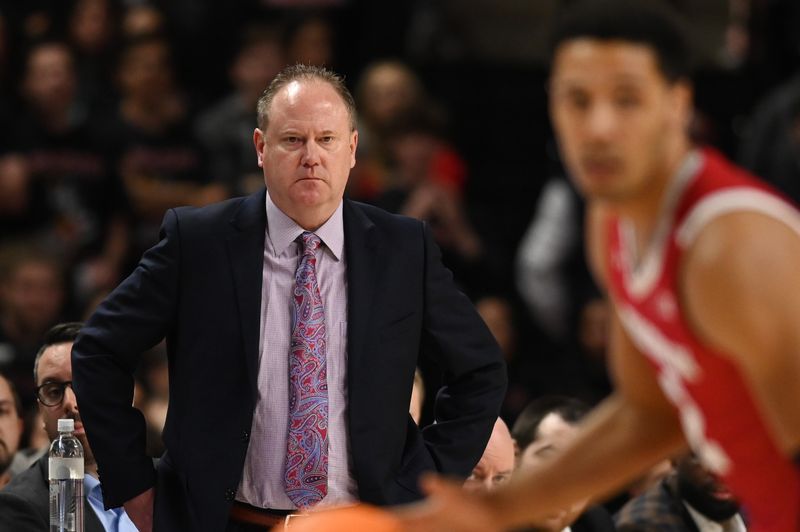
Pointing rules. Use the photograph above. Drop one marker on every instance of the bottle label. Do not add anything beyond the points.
(65, 468)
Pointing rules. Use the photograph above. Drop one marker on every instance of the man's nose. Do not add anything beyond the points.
(311, 153)
(602, 120)
(70, 401)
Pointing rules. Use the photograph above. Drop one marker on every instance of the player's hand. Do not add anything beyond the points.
(449, 508)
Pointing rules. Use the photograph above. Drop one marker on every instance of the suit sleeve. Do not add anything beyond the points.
(18, 515)
(134, 318)
(473, 369)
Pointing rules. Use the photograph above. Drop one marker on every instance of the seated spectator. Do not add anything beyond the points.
(386, 91)
(34, 442)
(141, 19)
(10, 427)
(689, 500)
(83, 199)
(25, 503)
(226, 130)
(159, 161)
(423, 190)
(497, 463)
(309, 40)
(20, 206)
(543, 428)
(92, 29)
(31, 301)
(653, 476)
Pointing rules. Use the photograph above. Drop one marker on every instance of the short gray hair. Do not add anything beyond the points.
(304, 73)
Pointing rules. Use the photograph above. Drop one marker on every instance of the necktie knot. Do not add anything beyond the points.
(311, 242)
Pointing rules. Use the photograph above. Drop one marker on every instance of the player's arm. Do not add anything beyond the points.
(741, 279)
(620, 439)
(624, 436)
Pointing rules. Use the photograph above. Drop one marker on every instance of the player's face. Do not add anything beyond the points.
(615, 114)
(308, 148)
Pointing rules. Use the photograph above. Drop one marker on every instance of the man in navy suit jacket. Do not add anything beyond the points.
(201, 288)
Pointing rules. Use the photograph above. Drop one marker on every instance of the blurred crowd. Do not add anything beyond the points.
(114, 111)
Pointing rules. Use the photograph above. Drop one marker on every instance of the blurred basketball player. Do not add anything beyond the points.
(702, 264)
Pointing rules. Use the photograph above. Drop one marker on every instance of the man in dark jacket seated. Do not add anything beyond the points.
(24, 503)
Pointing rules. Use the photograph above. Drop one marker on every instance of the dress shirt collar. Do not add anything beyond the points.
(704, 524)
(282, 231)
(92, 487)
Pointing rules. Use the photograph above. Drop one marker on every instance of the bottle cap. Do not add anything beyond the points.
(66, 425)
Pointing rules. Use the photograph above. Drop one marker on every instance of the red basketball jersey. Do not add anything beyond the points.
(717, 410)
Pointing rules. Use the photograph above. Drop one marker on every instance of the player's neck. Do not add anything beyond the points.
(644, 209)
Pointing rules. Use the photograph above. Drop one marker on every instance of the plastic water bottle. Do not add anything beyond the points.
(66, 480)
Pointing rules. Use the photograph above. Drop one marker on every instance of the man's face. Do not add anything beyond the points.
(55, 365)
(146, 70)
(552, 435)
(308, 148)
(50, 77)
(10, 425)
(389, 91)
(256, 66)
(615, 115)
(33, 295)
(496, 464)
(704, 491)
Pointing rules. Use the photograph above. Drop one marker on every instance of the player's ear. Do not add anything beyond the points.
(682, 102)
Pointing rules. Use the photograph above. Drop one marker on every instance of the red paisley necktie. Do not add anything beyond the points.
(306, 474)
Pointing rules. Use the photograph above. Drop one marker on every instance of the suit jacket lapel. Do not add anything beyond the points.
(246, 255)
(363, 251)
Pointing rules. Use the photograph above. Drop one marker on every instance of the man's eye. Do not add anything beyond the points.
(326, 140)
(627, 101)
(52, 392)
(577, 100)
(292, 140)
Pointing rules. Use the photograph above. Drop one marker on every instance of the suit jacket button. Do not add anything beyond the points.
(245, 436)
(229, 494)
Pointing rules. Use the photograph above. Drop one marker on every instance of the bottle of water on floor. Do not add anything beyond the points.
(66, 480)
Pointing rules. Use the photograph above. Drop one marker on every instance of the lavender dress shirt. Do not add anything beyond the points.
(262, 483)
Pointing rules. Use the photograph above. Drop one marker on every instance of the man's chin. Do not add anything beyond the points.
(87, 451)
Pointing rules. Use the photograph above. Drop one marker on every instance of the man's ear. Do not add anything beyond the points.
(683, 102)
(258, 142)
(353, 148)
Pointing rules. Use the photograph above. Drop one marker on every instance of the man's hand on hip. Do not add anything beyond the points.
(140, 510)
